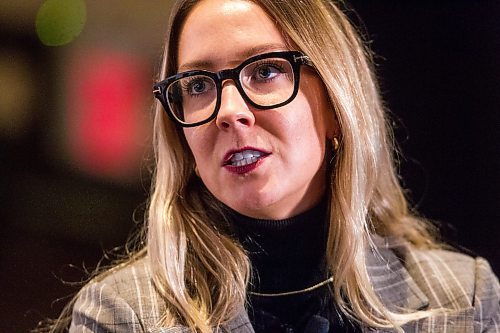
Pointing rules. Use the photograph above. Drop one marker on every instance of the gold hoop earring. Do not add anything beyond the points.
(335, 143)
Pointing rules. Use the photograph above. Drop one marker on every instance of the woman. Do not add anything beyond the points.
(276, 206)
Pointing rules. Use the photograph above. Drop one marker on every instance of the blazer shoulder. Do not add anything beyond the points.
(129, 275)
(421, 278)
(447, 278)
(125, 299)
(486, 299)
(457, 281)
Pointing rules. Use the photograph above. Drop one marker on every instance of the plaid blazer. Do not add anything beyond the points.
(126, 301)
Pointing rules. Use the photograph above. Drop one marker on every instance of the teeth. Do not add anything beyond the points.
(237, 157)
(248, 154)
(245, 157)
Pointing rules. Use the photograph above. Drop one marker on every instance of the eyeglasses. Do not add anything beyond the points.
(264, 81)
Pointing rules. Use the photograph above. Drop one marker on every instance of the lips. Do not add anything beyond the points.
(243, 157)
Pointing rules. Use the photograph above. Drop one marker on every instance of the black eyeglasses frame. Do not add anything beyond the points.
(295, 58)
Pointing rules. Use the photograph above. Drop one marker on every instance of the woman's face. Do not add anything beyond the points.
(289, 176)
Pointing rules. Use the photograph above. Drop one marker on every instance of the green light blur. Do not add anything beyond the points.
(58, 22)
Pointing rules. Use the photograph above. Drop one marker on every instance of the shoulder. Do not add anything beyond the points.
(457, 281)
(443, 279)
(453, 279)
(448, 277)
(124, 300)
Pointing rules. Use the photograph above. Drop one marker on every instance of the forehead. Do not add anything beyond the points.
(223, 32)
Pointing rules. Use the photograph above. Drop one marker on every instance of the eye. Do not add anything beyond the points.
(266, 71)
(197, 86)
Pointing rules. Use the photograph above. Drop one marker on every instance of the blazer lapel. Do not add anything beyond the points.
(390, 279)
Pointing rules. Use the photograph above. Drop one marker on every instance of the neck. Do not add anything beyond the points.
(286, 254)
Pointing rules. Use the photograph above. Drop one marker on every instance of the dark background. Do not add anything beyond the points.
(439, 65)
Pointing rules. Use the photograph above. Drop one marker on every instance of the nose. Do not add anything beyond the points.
(234, 111)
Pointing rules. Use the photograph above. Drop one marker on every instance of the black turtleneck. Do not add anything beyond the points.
(289, 255)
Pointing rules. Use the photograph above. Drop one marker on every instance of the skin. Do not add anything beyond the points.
(220, 34)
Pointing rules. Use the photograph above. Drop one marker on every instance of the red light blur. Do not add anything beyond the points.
(106, 113)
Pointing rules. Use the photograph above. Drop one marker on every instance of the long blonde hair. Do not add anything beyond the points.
(365, 194)
(201, 272)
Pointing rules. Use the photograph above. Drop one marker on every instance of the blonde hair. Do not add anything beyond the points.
(201, 272)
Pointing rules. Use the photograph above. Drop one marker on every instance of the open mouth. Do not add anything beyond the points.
(244, 157)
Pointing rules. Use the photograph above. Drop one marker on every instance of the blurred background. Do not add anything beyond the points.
(75, 113)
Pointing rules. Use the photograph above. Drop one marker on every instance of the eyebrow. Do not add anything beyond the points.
(209, 64)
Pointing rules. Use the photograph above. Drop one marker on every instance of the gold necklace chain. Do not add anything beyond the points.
(294, 292)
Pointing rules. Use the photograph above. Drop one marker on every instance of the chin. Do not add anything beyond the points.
(262, 210)
(252, 207)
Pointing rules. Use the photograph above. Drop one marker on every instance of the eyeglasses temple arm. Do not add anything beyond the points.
(305, 60)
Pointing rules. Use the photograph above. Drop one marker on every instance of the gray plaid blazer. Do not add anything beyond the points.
(127, 301)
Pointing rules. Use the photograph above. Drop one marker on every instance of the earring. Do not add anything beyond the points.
(335, 143)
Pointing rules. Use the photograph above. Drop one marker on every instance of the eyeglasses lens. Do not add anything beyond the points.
(268, 82)
(192, 99)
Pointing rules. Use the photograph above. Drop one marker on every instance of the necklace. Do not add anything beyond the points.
(294, 292)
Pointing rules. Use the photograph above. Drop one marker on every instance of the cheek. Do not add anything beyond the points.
(325, 112)
(196, 142)
(304, 140)
(190, 137)
(312, 116)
